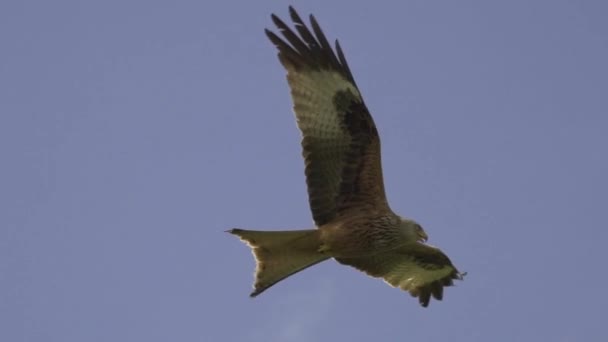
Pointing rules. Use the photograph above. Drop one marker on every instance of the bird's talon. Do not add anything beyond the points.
(323, 249)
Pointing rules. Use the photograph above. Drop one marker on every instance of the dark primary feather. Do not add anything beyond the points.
(307, 51)
(341, 146)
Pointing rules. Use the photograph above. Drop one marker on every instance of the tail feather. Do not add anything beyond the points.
(279, 254)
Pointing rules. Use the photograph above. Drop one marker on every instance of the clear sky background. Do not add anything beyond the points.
(133, 133)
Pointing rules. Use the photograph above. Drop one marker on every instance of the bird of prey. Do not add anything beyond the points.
(341, 150)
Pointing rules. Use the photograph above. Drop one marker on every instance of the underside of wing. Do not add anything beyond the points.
(420, 269)
(341, 146)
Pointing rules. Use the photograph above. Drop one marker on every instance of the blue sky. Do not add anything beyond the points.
(133, 133)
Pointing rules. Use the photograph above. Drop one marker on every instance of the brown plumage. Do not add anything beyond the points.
(341, 150)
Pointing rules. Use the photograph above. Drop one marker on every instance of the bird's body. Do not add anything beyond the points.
(341, 149)
(362, 234)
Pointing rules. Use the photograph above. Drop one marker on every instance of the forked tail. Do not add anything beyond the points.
(279, 254)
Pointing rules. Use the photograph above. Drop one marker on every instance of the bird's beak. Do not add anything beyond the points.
(423, 236)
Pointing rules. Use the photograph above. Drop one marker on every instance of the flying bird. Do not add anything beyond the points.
(341, 150)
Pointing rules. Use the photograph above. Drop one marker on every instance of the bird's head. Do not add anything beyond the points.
(415, 230)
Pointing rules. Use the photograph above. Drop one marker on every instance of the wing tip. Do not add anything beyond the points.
(435, 288)
(309, 49)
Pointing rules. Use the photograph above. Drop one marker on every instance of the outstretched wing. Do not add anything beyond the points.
(421, 269)
(340, 142)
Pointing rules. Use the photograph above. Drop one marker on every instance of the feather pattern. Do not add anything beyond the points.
(420, 269)
(340, 142)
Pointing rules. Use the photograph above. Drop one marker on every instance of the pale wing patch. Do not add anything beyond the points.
(408, 275)
(313, 95)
